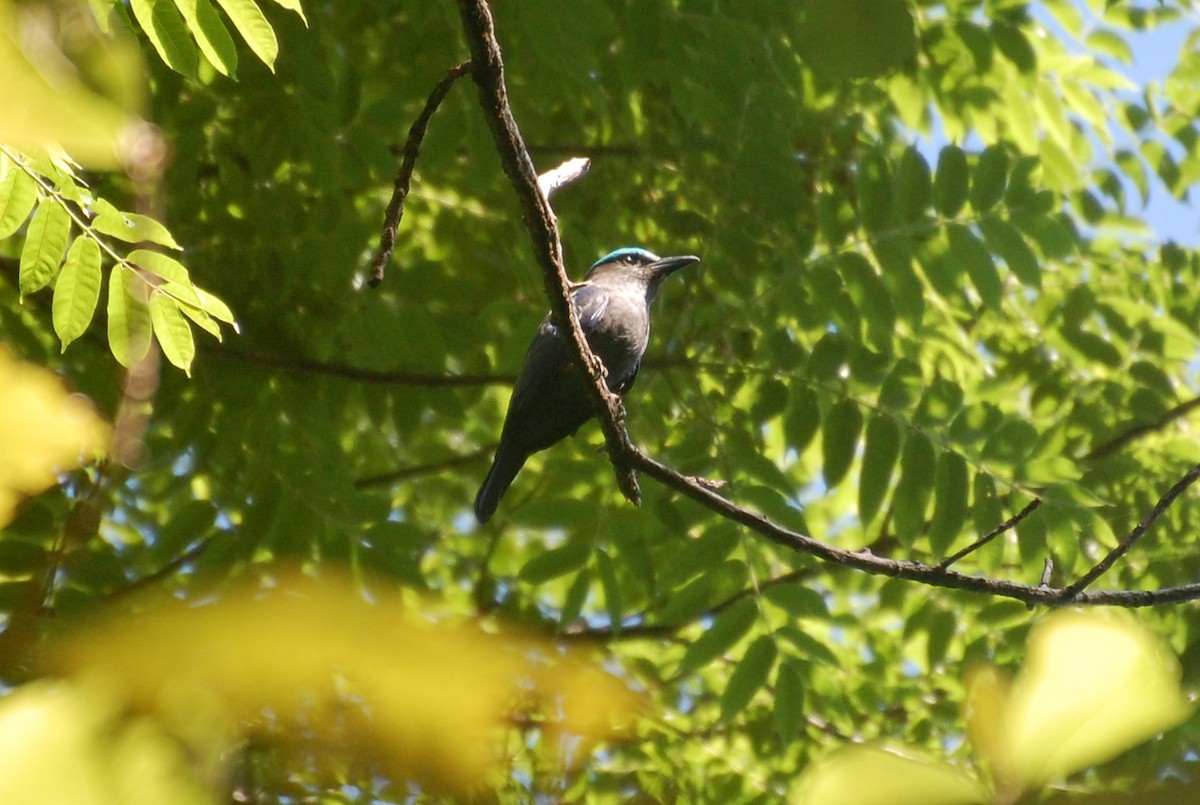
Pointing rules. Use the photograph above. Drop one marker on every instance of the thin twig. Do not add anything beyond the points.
(488, 73)
(417, 470)
(412, 147)
(991, 535)
(1189, 478)
(1119, 441)
(399, 377)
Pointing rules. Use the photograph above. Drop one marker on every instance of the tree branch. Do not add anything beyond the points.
(932, 575)
(1069, 593)
(1119, 441)
(396, 378)
(488, 72)
(412, 147)
(991, 535)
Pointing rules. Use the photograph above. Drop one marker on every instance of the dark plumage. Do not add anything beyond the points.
(550, 400)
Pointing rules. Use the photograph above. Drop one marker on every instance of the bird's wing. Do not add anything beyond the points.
(548, 357)
(590, 301)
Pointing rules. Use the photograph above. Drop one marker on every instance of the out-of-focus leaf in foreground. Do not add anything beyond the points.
(43, 49)
(425, 698)
(877, 775)
(1094, 684)
(61, 742)
(43, 430)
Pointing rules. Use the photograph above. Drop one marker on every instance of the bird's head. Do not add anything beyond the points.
(640, 266)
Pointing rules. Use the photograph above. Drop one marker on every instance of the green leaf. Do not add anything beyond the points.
(45, 243)
(576, 597)
(949, 502)
(130, 227)
(293, 5)
(839, 440)
(163, 265)
(698, 555)
(77, 290)
(172, 330)
(556, 562)
(940, 631)
(797, 600)
(803, 417)
(165, 28)
(18, 194)
(1111, 44)
(749, 676)
(1011, 443)
(974, 256)
(902, 388)
(918, 463)
(727, 629)
(950, 182)
(1009, 243)
(1011, 42)
(250, 22)
(882, 449)
(789, 700)
(129, 326)
(856, 38)
(991, 174)
(809, 647)
(612, 588)
(211, 34)
(873, 189)
(216, 308)
(871, 299)
(914, 186)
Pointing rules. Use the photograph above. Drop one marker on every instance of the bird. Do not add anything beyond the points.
(550, 400)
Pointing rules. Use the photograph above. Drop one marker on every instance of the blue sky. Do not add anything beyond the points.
(1155, 54)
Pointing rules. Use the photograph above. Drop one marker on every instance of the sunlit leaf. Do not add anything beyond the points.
(173, 332)
(77, 290)
(45, 244)
(250, 22)
(874, 775)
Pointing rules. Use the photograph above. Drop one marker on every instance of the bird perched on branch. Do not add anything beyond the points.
(551, 399)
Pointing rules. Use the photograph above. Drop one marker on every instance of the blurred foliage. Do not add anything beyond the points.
(43, 431)
(380, 684)
(1093, 685)
(929, 294)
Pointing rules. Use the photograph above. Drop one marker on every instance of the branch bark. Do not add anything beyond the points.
(488, 73)
(412, 147)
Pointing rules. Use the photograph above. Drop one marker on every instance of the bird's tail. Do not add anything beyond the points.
(505, 467)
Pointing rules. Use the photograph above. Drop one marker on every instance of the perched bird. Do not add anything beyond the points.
(550, 400)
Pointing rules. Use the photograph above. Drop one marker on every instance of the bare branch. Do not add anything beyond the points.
(991, 535)
(417, 470)
(1189, 478)
(412, 147)
(1137, 431)
(488, 73)
(399, 377)
(906, 569)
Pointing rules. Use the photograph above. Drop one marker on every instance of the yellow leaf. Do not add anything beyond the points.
(43, 431)
(428, 698)
(1093, 685)
(879, 775)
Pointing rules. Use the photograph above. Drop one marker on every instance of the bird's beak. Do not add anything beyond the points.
(666, 266)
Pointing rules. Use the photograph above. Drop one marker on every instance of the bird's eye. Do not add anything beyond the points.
(629, 259)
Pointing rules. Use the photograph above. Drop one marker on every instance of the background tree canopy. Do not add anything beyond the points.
(930, 301)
